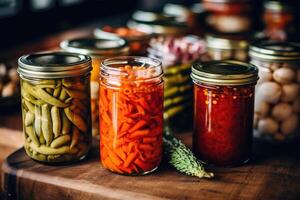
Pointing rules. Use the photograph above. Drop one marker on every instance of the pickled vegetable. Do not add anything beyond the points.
(131, 122)
(52, 124)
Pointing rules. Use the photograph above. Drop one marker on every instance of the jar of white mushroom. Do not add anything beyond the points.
(277, 101)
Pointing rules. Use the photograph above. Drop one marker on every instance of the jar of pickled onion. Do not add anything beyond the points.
(131, 114)
(98, 50)
(223, 111)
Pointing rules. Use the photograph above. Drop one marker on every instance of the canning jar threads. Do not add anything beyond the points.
(55, 94)
(223, 111)
(277, 103)
(131, 114)
(98, 50)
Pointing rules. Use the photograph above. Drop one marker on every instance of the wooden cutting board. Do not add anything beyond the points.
(271, 175)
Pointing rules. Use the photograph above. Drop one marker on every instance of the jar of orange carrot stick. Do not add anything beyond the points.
(131, 114)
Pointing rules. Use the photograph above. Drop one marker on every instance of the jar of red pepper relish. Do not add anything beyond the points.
(223, 111)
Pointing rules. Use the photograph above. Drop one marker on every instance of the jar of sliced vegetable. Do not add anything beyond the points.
(131, 114)
(97, 49)
(55, 90)
(223, 111)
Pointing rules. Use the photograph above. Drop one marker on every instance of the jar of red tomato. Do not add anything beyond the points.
(229, 16)
(131, 114)
(223, 111)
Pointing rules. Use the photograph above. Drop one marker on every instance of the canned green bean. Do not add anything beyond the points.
(55, 91)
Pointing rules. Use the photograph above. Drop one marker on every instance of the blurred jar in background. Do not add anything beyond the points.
(157, 23)
(279, 20)
(193, 16)
(98, 49)
(138, 40)
(222, 47)
(229, 16)
(177, 55)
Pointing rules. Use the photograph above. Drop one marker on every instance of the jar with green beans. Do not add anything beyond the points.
(55, 91)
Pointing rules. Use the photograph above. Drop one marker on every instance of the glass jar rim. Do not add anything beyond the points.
(225, 73)
(54, 64)
(107, 69)
(96, 47)
(275, 51)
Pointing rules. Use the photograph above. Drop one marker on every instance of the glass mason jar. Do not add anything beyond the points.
(278, 18)
(98, 50)
(56, 106)
(138, 40)
(177, 55)
(229, 16)
(223, 111)
(277, 103)
(131, 114)
(227, 47)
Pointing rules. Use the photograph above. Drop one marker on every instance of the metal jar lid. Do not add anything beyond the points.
(228, 43)
(56, 64)
(225, 73)
(276, 6)
(275, 51)
(96, 47)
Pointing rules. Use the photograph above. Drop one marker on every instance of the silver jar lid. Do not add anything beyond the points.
(225, 73)
(97, 47)
(55, 64)
(226, 42)
(275, 51)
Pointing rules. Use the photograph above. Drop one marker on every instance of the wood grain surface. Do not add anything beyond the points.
(270, 175)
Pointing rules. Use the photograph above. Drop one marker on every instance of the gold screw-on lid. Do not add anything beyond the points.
(225, 73)
(54, 64)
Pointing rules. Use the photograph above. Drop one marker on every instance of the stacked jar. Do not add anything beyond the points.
(229, 16)
(177, 55)
(227, 47)
(277, 104)
(98, 49)
(131, 114)
(278, 18)
(138, 40)
(55, 91)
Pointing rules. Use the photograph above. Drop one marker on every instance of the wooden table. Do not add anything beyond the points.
(274, 173)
